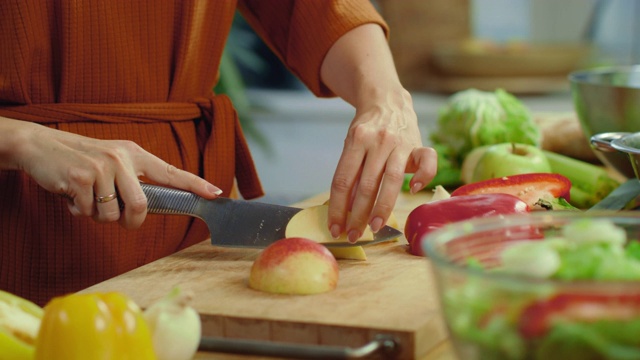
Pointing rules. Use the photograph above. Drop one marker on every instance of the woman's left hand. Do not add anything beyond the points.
(382, 144)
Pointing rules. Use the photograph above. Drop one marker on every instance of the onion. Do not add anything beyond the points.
(175, 326)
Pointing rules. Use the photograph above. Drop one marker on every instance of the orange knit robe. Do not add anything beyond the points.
(141, 70)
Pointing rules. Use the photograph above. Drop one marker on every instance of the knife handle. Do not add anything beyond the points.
(162, 200)
(382, 346)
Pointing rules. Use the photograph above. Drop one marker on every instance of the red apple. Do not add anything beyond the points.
(294, 265)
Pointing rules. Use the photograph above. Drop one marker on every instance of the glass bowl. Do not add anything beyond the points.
(492, 313)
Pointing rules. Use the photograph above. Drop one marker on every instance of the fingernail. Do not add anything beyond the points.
(335, 231)
(353, 236)
(416, 187)
(214, 190)
(376, 224)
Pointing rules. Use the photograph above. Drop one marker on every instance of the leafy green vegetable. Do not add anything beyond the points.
(598, 340)
(597, 262)
(600, 231)
(486, 316)
(532, 258)
(474, 118)
(633, 250)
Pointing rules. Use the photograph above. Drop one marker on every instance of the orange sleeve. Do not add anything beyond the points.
(301, 32)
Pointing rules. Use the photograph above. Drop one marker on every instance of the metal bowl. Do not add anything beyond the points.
(624, 143)
(607, 100)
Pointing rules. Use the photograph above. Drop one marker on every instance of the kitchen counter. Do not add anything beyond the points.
(391, 292)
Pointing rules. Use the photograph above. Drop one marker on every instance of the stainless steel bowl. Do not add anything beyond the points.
(624, 143)
(607, 100)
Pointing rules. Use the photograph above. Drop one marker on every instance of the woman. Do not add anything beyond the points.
(95, 96)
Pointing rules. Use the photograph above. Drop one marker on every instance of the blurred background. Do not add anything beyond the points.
(526, 47)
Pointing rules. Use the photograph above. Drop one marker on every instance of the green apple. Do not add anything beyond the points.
(470, 162)
(507, 159)
(294, 265)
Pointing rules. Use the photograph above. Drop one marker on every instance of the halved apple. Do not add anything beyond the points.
(294, 266)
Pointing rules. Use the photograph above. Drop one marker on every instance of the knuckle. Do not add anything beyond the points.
(387, 136)
(340, 184)
(360, 133)
(79, 176)
(172, 170)
(394, 175)
(138, 205)
(106, 217)
(111, 215)
(127, 146)
(62, 187)
(384, 208)
(83, 210)
(368, 187)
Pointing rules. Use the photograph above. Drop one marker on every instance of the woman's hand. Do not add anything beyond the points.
(84, 169)
(383, 142)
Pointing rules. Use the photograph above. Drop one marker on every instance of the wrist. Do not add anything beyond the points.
(14, 141)
(395, 96)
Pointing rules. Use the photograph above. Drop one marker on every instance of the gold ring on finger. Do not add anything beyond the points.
(104, 199)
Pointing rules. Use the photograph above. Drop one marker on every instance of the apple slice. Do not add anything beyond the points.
(348, 253)
(312, 223)
(392, 220)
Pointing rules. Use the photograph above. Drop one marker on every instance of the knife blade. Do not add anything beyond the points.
(237, 223)
(624, 197)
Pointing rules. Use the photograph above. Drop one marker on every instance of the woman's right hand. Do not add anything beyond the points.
(82, 169)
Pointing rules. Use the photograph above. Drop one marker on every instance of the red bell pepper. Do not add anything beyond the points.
(430, 216)
(538, 318)
(541, 191)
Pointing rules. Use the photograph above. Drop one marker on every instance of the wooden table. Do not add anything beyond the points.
(400, 299)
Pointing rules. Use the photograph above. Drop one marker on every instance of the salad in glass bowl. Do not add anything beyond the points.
(548, 285)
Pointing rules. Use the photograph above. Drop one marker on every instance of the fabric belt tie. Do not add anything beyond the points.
(219, 137)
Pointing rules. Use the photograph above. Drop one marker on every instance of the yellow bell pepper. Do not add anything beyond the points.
(93, 326)
(19, 323)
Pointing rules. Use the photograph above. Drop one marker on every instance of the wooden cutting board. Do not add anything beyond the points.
(392, 292)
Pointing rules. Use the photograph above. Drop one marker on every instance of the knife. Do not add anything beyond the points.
(237, 223)
(624, 197)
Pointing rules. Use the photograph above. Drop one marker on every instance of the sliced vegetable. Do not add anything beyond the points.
(433, 215)
(591, 340)
(93, 326)
(595, 231)
(555, 320)
(541, 191)
(19, 323)
(538, 318)
(589, 183)
(530, 258)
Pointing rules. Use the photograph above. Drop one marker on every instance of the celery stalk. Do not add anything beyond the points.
(589, 183)
(582, 199)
